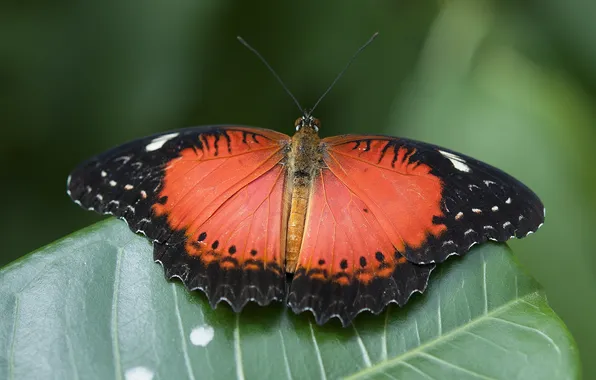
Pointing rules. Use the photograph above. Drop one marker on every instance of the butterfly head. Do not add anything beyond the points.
(307, 123)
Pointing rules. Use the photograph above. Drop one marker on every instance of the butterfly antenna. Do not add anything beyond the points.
(272, 72)
(341, 73)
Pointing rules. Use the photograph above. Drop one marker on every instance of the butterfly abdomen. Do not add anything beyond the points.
(303, 162)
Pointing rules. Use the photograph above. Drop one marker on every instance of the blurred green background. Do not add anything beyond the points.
(512, 83)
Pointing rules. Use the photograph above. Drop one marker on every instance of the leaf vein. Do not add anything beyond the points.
(114, 316)
(237, 351)
(319, 358)
(450, 335)
(182, 335)
(363, 350)
(532, 329)
(454, 366)
(283, 350)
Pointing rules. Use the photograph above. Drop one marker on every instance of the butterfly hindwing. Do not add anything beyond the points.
(347, 263)
(211, 200)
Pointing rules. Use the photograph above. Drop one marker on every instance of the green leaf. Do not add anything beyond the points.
(94, 305)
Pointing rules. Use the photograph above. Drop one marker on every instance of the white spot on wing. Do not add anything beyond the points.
(468, 231)
(495, 208)
(202, 335)
(143, 194)
(477, 210)
(138, 373)
(158, 142)
(459, 215)
(508, 201)
(113, 183)
(99, 197)
(103, 173)
(128, 187)
(506, 224)
(458, 162)
(487, 182)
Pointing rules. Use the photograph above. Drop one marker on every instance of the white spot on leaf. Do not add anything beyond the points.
(158, 142)
(139, 373)
(458, 162)
(202, 335)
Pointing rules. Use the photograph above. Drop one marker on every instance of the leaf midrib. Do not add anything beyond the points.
(380, 366)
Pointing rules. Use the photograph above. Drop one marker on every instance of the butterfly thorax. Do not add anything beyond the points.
(304, 160)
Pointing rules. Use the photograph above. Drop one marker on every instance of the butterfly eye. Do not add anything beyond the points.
(299, 122)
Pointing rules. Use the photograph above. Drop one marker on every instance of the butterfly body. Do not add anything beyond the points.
(304, 159)
(360, 221)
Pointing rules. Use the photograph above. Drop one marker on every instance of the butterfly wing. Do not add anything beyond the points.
(391, 206)
(211, 199)
(433, 202)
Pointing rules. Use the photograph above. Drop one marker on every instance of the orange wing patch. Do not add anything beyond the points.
(402, 194)
(226, 195)
(342, 239)
(246, 230)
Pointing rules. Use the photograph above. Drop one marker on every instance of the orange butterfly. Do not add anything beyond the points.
(359, 221)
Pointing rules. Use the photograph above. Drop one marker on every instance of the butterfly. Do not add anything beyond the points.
(358, 221)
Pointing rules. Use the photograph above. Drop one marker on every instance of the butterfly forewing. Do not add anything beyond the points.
(210, 198)
(434, 202)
